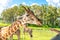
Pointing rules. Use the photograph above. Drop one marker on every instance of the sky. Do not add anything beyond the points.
(10, 3)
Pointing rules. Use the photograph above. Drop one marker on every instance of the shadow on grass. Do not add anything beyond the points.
(17, 39)
(14, 39)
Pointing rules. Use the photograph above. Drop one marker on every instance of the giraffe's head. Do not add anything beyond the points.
(29, 17)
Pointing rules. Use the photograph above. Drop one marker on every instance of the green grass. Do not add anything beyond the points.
(39, 33)
(4, 24)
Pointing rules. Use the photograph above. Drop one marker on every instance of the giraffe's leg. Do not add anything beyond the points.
(18, 37)
(28, 29)
(24, 31)
(18, 34)
(30, 33)
(11, 37)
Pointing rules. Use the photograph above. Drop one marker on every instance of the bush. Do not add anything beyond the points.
(45, 26)
(3, 24)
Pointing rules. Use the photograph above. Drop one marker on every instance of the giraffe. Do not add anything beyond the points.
(30, 14)
(8, 31)
(57, 37)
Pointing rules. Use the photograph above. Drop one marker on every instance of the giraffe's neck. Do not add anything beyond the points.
(10, 30)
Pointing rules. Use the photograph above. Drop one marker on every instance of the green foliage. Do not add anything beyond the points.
(10, 14)
(4, 24)
(33, 25)
(45, 26)
(47, 13)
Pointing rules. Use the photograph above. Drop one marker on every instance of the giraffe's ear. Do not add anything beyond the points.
(25, 8)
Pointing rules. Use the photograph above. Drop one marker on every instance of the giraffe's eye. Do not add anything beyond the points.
(27, 15)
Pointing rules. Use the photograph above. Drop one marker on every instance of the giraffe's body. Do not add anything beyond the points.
(11, 37)
(8, 31)
(29, 17)
(16, 33)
